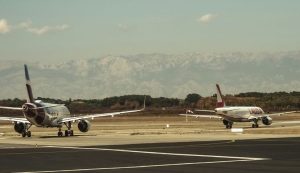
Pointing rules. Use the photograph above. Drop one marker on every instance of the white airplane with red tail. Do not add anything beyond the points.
(231, 114)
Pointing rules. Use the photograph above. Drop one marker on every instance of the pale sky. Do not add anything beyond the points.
(57, 30)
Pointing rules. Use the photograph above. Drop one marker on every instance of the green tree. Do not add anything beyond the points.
(192, 98)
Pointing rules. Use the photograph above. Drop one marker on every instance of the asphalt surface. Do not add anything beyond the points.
(262, 155)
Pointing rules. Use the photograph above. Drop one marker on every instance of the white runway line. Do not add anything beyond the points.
(136, 167)
(236, 159)
(159, 153)
(188, 145)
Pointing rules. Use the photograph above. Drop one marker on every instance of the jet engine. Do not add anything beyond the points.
(266, 120)
(19, 127)
(84, 125)
(30, 109)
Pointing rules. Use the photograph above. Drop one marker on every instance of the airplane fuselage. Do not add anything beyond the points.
(46, 117)
(239, 114)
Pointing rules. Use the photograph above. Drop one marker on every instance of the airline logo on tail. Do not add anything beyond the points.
(220, 100)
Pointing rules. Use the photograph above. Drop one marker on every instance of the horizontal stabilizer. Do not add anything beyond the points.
(47, 107)
(203, 110)
(10, 108)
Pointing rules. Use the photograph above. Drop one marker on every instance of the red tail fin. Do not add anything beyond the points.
(220, 100)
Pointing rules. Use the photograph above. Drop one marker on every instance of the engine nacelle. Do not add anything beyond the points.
(84, 125)
(19, 127)
(225, 122)
(29, 109)
(266, 120)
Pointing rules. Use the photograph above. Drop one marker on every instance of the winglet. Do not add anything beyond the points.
(220, 100)
(28, 85)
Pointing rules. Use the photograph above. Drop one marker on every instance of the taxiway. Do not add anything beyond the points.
(259, 155)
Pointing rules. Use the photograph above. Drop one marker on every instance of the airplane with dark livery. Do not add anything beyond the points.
(41, 114)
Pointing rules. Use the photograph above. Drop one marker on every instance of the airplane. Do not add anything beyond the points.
(41, 114)
(231, 114)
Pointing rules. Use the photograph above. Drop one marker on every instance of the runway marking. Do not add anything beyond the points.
(159, 153)
(236, 159)
(194, 145)
(38, 152)
(136, 167)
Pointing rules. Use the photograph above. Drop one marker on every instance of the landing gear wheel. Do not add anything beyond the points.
(23, 134)
(71, 133)
(228, 126)
(29, 134)
(59, 134)
(66, 133)
(254, 125)
(25, 131)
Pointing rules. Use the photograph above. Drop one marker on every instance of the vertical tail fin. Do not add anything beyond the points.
(220, 100)
(28, 85)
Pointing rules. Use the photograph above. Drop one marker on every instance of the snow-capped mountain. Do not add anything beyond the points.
(155, 74)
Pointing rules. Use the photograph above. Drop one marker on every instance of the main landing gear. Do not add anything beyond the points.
(228, 124)
(26, 131)
(59, 133)
(68, 132)
(255, 123)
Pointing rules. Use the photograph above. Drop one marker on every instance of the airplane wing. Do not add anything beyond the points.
(202, 116)
(14, 119)
(75, 118)
(91, 116)
(276, 114)
(282, 113)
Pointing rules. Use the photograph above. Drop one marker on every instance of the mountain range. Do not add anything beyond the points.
(154, 74)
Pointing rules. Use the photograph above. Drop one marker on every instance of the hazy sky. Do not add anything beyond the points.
(63, 30)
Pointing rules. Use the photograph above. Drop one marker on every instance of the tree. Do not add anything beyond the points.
(192, 98)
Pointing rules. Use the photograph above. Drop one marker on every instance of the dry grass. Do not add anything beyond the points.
(141, 125)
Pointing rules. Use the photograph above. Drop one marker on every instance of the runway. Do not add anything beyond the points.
(260, 155)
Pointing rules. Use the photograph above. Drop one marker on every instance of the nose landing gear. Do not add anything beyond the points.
(255, 123)
(59, 133)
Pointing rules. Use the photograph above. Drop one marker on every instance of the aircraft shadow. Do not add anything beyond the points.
(63, 136)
